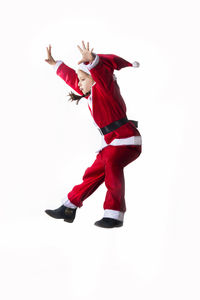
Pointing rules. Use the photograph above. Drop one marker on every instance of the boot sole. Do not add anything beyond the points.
(68, 221)
(120, 225)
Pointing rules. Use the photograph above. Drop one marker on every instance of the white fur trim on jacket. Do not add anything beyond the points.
(94, 63)
(133, 140)
(57, 65)
(85, 68)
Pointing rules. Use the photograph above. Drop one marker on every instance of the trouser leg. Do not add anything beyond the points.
(116, 158)
(93, 177)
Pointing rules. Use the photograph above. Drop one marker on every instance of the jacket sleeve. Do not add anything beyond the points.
(68, 75)
(101, 73)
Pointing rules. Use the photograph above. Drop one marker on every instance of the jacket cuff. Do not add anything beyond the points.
(94, 63)
(57, 65)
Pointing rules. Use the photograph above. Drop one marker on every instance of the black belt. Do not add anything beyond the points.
(114, 125)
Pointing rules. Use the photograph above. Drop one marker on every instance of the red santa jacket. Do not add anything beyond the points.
(105, 102)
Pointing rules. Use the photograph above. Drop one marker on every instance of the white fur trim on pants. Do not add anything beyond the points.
(67, 203)
(114, 214)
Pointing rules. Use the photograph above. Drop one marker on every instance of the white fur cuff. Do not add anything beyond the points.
(57, 65)
(67, 203)
(94, 63)
(114, 214)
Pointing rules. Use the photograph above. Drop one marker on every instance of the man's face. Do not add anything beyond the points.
(85, 81)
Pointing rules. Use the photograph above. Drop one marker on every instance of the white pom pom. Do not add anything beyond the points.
(135, 64)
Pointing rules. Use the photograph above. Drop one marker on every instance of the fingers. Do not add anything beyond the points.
(48, 51)
(84, 48)
(83, 45)
(80, 49)
(49, 59)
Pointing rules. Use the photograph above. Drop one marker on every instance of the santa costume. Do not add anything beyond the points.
(121, 140)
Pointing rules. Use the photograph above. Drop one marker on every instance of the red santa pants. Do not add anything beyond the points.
(108, 166)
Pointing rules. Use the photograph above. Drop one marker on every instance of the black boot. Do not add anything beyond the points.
(108, 223)
(63, 212)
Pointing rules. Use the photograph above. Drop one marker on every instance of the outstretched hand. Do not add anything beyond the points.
(87, 55)
(50, 59)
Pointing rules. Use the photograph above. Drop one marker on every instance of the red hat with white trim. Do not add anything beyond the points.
(83, 67)
(114, 62)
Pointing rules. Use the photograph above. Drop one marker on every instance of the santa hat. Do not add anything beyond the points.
(117, 63)
(83, 67)
(114, 62)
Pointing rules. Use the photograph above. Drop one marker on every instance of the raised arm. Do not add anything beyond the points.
(101, 73)
(69, 76)
(66, 73)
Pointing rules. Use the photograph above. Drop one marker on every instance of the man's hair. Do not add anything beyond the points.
(77, 98)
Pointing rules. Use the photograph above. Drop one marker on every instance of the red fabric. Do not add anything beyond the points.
(108, 166)
(69, 76)
(114, 62)
(107, 103)
(107, 107)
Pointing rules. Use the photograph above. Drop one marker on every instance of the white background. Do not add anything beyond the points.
(47, 143)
